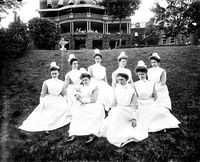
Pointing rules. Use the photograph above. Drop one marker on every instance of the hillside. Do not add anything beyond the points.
(22, 80)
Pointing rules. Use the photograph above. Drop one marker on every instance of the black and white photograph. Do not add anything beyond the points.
(100, 80)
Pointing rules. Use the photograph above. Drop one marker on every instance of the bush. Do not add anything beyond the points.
(44, 33)
(13, 41)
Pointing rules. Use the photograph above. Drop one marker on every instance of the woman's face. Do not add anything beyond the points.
(142, 75)
(54, 74)
(85, 81)
(121, 80)
(98, 59)
(122, 63)
(154, 63)
(75, 65)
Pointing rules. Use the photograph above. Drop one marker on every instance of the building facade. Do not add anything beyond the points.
(85, 24)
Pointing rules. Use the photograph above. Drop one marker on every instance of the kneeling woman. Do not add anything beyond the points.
(90, 114)
(122, 124)
(52, 111)
(155, 116)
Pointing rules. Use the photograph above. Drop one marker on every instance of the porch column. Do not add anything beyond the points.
(72, 27)
(127, 28)
(106, 27)
(87, 26)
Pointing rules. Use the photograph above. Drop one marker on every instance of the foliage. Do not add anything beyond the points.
(171, 19)
(192, 13)
(120, 9)
(151, 34)
(14, 40)
(6, 5)
(44, 33)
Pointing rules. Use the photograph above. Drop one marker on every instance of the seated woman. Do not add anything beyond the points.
(122, 61)
(156, 117)
(90, 114)
(98, 74)
(52, 112)
(158, 76)
(122, 125)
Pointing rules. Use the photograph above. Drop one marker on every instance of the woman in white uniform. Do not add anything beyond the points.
(158, 76)
(122, 61)
(98, 74)
(156, 116)
(72, 80)
(122, 125)
(52, 112)
(89, 117)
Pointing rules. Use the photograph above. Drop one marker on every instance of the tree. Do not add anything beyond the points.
(171, 19)
(6, 5)
(44, 33)
(14, 40)
(120, 9)
(151, 35)
(193, 15)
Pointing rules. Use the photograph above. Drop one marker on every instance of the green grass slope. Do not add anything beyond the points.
(22, 81)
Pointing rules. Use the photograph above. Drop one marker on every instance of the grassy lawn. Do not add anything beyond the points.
(22, 80)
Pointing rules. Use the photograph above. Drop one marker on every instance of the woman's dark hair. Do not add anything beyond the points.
(72, 60)
(97, 54)
(141, 69)
(54, 68)
(154, 58)
(124, 75)
(85, 75)
(125, 58)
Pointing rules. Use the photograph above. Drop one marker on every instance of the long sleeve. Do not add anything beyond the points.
(134, 105)
(163, 78)
(44, 90)
(90, 71)
(113, 79)
(67, 79)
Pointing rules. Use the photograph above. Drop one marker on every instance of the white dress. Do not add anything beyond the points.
(153, 114)
(154, 75)
(98, 74)
(117, 126)
(88, 117)
(73, 77)
(122, 70)
(51, 113)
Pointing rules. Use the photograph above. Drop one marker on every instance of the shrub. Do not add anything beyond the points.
(14, 40)
(44, 33)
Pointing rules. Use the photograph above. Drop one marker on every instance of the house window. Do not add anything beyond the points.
(182, 39)
(49, 3)
(172, 40)
(164, 40)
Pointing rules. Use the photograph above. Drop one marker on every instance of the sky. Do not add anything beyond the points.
(29, 10)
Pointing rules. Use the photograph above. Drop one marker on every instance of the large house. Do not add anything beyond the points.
(85, 24)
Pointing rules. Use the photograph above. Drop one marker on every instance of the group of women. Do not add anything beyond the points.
(134, 108)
